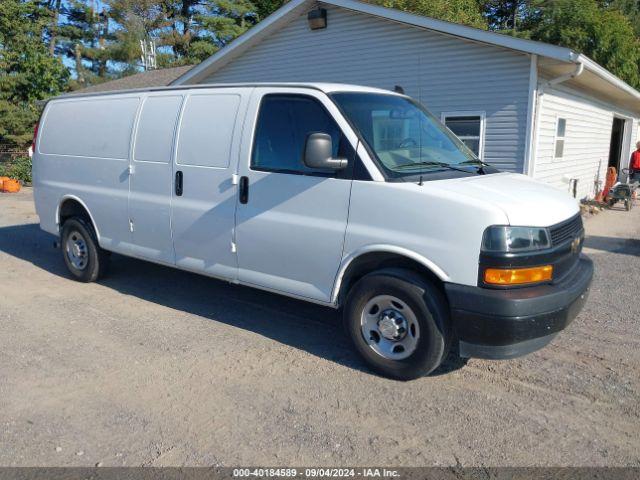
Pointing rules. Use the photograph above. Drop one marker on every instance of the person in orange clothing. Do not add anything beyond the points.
(634, 165)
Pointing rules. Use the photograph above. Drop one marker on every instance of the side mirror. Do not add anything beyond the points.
(318, 152)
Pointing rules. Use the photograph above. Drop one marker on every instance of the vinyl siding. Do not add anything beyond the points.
(446, 73)
(587, 140)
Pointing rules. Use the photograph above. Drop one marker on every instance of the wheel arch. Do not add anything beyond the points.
(71, 205)
(376, 257)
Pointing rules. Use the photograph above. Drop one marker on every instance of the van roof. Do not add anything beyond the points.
(323, 87)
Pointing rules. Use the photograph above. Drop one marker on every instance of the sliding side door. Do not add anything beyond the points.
(204, 197)
(150, 183)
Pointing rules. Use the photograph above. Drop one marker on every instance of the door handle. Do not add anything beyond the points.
(178, 185)
(244, 189)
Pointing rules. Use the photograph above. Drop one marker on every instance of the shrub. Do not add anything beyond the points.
(20, 169)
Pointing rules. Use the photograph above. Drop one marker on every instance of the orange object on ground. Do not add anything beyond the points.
(2, 179)
(612, 177)
(11, 186)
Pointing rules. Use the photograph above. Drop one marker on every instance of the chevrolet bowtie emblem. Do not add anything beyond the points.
(575, 245)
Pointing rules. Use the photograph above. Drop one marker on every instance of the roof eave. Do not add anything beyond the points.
(608, 76)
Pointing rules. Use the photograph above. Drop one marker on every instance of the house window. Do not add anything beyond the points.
(561, 129)
(468, 127)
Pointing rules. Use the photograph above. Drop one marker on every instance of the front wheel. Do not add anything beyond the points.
(83, 256)
(399, 323)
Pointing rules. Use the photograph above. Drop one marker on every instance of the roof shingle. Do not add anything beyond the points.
(151, 78)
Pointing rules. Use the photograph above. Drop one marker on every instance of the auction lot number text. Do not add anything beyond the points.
(316, 472)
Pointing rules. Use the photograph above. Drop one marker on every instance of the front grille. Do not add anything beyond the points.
(566, 230)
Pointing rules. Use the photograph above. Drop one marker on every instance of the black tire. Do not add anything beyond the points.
(95, 259)
(627, 205)
(431, 312)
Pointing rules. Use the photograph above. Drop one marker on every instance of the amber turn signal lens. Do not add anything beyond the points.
(518, 276)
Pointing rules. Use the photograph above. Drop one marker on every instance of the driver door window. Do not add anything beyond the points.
(284, 122)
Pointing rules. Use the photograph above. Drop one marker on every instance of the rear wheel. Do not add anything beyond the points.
(82, 255)
(399, 323)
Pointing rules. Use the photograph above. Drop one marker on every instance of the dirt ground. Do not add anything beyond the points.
(153, 366)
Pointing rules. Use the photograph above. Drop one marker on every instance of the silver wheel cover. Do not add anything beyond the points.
(390, 327)
(76, 250)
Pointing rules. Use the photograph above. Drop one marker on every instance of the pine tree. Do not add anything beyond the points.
(185, 31)
(84, 38)
(198, 28)
(136, 20)
(505, 14)
(264, 8)
(28, 72)
(54, 7)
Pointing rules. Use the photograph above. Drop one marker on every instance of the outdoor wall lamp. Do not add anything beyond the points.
(317, 19)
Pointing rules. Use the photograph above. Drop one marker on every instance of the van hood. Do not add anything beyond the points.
(524, 201)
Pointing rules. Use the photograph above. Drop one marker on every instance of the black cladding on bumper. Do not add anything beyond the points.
(501, 323)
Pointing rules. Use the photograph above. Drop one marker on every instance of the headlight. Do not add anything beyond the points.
(505, 239)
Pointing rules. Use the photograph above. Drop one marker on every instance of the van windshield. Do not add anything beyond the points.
(405, 137)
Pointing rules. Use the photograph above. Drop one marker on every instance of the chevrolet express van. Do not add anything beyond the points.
(350, 197)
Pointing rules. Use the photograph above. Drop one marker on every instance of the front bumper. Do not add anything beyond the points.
(498, 324)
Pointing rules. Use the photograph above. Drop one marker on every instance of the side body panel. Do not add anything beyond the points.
(83, 152)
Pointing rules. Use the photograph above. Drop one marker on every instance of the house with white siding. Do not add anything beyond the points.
(522, 106)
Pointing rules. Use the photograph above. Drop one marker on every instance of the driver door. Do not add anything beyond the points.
(291, 223)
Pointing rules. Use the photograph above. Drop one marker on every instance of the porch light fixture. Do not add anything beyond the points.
(317, 19)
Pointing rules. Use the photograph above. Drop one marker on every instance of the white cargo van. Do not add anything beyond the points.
(345, 196)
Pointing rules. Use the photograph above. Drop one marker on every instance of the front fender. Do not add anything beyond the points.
(383, 248)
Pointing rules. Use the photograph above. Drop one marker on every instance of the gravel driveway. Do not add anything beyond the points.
(153, 366)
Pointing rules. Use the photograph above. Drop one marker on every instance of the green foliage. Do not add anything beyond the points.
(604, 30)
(466, 12)
(264, 8)
(186, 31)
(85, 39)
(20, 169)
(17, 120)
(504, 14)
(28, 72)
(629, 8)
(599, 31)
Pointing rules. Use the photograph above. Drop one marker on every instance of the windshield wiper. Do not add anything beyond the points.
(433, 164)
(477, 162)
